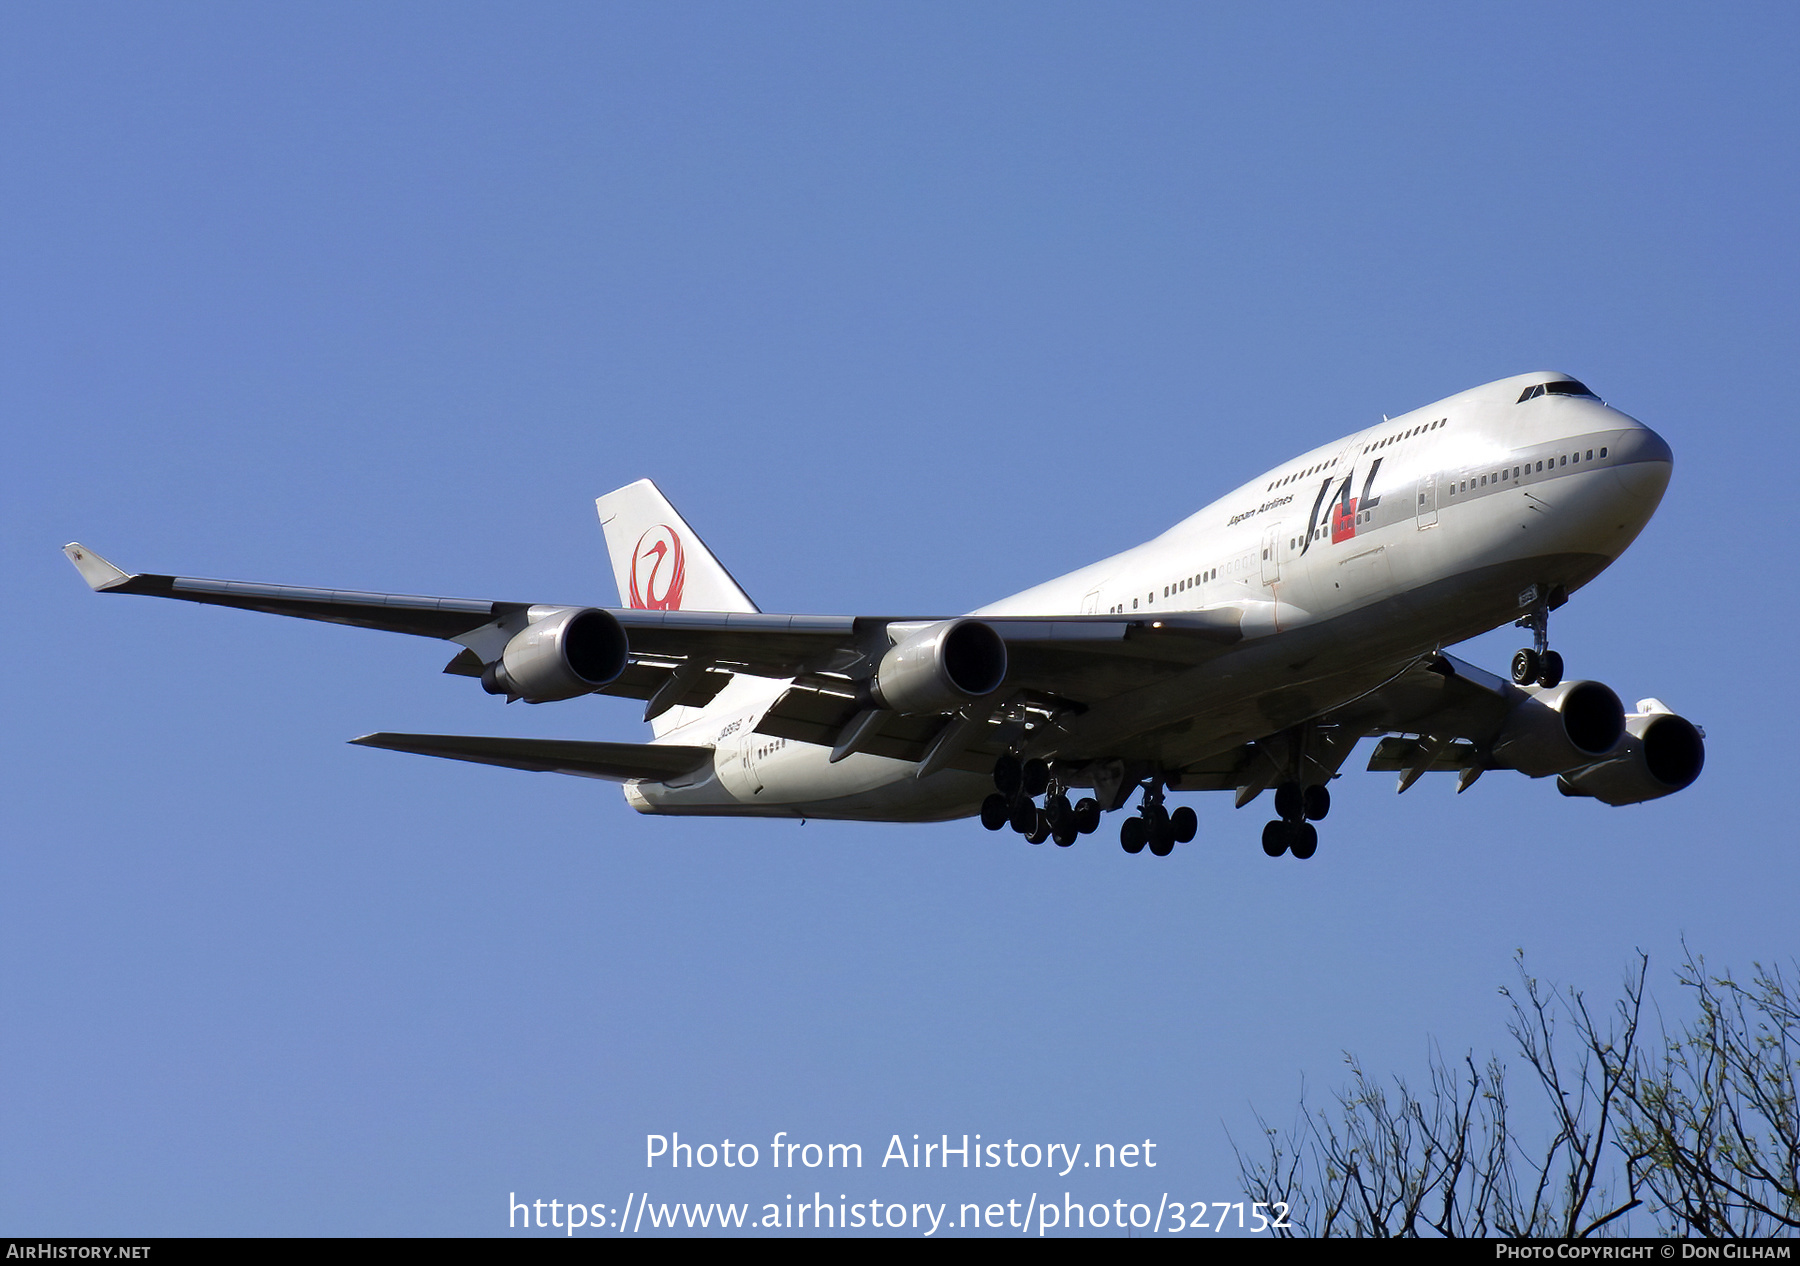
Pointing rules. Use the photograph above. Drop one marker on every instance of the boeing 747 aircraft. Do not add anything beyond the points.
(1249, 647)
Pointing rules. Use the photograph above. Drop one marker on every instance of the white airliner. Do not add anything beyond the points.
(1250, 646)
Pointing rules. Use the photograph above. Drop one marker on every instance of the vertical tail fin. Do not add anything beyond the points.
(659, 562)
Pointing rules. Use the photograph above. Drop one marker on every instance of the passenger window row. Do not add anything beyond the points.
(1494, 477)
(1171, 590)
(1300, 474)
(1404, 435)
(1500, 476)
(1395, 438)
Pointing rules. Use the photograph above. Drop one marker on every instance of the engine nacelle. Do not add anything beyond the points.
(1662, 753)
(1560, 728)
(571, 651)
(941, 667)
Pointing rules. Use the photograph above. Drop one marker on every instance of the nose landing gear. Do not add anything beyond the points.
(1538, 663)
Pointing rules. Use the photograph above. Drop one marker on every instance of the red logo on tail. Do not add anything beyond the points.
(658, 570)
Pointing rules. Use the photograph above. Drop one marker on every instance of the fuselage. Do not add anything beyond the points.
(1348, 560)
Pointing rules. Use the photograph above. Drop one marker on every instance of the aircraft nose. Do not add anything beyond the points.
(1641, 444)
(1643, 463)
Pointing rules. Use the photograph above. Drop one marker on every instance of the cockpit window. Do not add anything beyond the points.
(1561, 387)
(1568, 387)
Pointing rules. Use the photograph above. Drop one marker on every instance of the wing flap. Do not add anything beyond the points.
(646, 681)
(765, 645)
(1222, 772)
(810, 712)
(1397, 755)
(806, 715)
(616, 762)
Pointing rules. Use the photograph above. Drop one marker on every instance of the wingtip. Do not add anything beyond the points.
(99, 574)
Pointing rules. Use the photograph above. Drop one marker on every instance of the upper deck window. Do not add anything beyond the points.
(1561, 387)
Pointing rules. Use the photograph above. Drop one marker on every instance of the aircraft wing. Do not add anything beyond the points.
(685, 657)
(1435, 692)
(765, 645)
(771, 645)
(616, 762)
(1442, 713)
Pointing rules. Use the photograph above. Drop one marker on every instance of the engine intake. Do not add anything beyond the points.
(941, 667)
(572, 651)
(1662, 754)
(1551, 731)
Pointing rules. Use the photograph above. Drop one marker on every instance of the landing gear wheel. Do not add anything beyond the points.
(1157, 828)
(995, 812)
(1289, 804)
(1157, 831)
(1062, 817)
(1275, 839)
(1007, 776)
(1064, 837)
(1185, 823)
(1305, 841)
(1087, 815)
(1550, 670)
(1041, 831)
(1525, 667)
(1037, 777)
(1317, 802)
(1132, 835)
(1024, 816)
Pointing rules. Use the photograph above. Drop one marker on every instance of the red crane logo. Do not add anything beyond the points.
(658, 570)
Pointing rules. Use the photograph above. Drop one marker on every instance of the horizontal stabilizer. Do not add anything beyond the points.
(618, 762)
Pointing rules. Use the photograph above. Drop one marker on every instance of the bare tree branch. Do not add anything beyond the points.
(1699, 1134)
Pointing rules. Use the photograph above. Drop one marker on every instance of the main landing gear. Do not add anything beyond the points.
(1155, 826)
(1294, 832)
(1016, 784)
(1538, 663)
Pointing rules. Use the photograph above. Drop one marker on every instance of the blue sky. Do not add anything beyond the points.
(906, 308)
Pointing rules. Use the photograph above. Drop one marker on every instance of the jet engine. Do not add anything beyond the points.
(571, 651)
(1661, 754)
(941, 667)
(1559, 728)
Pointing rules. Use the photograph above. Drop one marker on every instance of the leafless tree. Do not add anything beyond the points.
(1698, 1134)
(1450, 1162)
(1712, 1121)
